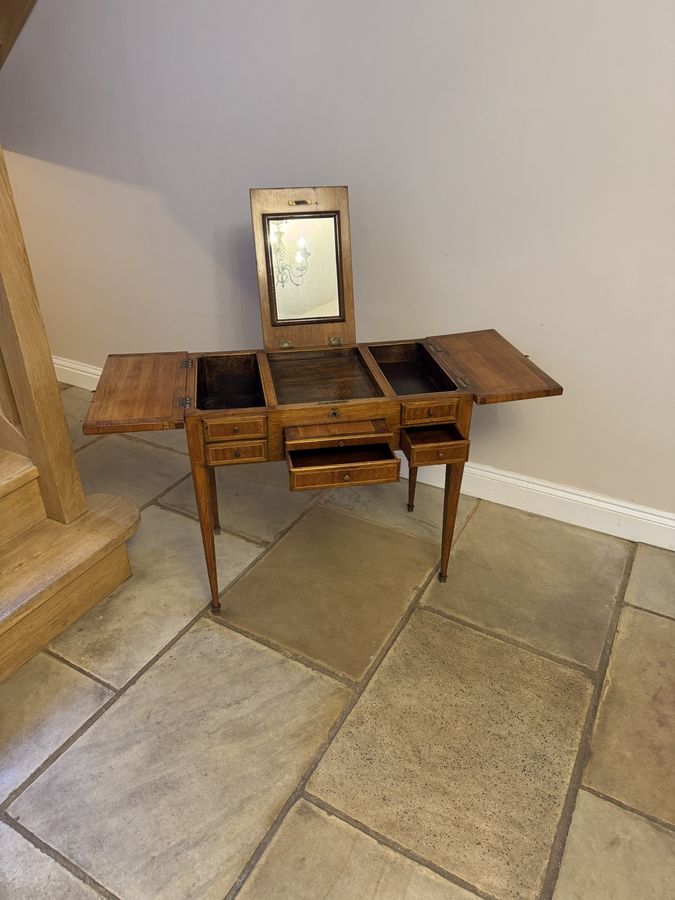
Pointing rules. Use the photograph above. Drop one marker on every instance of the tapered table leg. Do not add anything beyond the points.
(203, 486)
(213, 493)
(412, 484)
(453, 483)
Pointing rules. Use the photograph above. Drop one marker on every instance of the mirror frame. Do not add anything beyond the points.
(286, 203)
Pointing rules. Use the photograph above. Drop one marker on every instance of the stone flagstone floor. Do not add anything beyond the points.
(348, 727)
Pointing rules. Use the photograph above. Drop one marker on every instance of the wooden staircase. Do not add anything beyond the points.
(60, 552)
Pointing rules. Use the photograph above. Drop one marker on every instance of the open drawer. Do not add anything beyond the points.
(336, 434)
(436, 444)
(324, 467)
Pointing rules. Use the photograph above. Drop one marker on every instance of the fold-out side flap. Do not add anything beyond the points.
(491, 367)
(140, 392)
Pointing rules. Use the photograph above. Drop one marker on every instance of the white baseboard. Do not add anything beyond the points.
(70, 371)
(610, 515)
(546, 498)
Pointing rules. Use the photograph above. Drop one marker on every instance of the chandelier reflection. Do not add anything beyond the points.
(294, 271)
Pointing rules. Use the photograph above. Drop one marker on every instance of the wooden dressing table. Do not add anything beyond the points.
(335, 410)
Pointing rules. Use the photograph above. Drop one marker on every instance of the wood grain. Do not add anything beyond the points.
(20, 511)
(28, 362)
(139, 392)
(274, 201)
(24, 637)
(492, 368)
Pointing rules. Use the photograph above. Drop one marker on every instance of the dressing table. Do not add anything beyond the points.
(334, 409)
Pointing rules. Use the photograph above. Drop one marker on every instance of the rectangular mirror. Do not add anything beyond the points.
(303, 267)
(304, 262)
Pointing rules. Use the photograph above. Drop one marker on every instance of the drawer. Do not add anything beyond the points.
(342, 466)
(337, 434)
(415, 412)
(439, 444)
(235, 427)
(236, 452)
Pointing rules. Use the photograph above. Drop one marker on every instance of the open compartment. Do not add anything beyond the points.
(316, 376)
(229, 381)
(431, 445)
(334, 466)
(410, 368)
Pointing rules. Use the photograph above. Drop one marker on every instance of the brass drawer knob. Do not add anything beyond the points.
(430, 413)
(341, 443)
(441, 454)
(347, 477)
(236, 429)
(237, 454)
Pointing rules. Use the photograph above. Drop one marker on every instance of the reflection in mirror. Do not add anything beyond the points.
(303, 267)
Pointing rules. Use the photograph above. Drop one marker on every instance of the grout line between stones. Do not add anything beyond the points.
(669, 826)
(61, 749)
(334, 730)
(584, 749)
(59, 858)
(514, 642)
(652, 612)
(394, 845)
(71, 665)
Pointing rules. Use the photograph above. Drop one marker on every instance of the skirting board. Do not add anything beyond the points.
(546, 498)
(559, 501)
(70, 371)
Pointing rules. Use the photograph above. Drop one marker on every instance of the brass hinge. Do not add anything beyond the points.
(335, 342)
(285, 345)
(186, 363)
(184, 402)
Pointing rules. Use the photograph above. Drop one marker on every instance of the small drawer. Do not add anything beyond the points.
(342, 466)
(236, 452)
(336, 434)
(415, 412)
(442, 444)
(234, 428)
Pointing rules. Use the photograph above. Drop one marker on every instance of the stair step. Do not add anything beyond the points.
(73, 566)
(15, 471)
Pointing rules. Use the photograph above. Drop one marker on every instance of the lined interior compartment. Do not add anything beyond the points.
(410, 369)
(339, 456)
(229, 382)
(433, 434)
(313, 376)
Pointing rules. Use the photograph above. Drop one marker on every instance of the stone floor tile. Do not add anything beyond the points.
(386, 504)
(633, 746)
(316, 855)
(27, 873)
(173, 438)
(41, 705)
(332, 589)
(461, 749)
(652, 581)
(168, 587)
(170, 791)
(544, 582)
(76, 403)
(612, 854)
(116, 465)
(254, 500)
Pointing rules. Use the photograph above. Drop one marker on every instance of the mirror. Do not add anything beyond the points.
(303, 267)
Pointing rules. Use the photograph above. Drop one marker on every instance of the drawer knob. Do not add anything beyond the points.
(341, 443)
(441, 454)
(237, 454)
(236, 429)
(430, 412)
(347, 477)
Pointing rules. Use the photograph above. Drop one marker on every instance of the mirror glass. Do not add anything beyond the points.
(303, 267)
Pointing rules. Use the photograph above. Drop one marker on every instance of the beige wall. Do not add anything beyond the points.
(510, 165)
